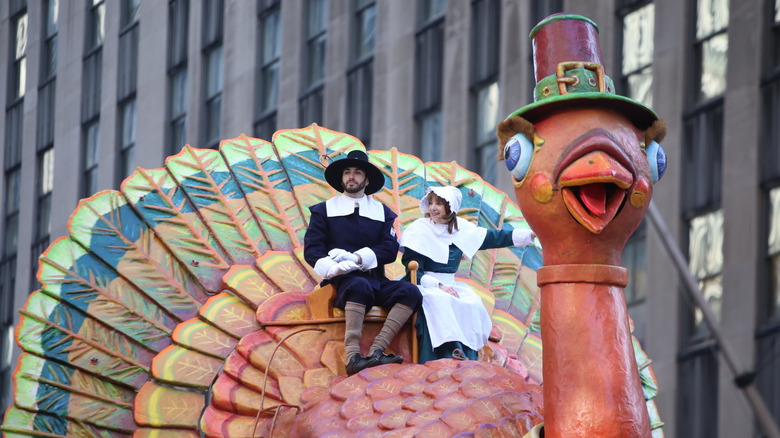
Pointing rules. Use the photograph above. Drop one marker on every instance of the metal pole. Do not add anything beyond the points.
(749, 391)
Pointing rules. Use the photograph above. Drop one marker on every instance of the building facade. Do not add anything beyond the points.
(95, 88)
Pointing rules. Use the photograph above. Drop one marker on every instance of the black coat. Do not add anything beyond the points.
(351, 233)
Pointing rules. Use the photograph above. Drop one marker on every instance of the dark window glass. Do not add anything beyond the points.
(96, 23)
(270, 51)
(214, 69)
(128, 62)
(360, 84)
(127, 128)
(310, 106)
(697, 398)
(637, 71)
(710, 48)
(316, 35)
(213, 22)
(539, 10)
(178, 109)
(44, 188)
(702, 160)
(49, 50)
(484, 126)
(13, 135)
(90, 158)
(485, 40)
(91, 88)
(429, 55)
(365, 29)
(12, 190)
(430, 137)
(18, 65)
(767, 366)
(46, 99)
(131, 12)
(265, 127)
(178, 32)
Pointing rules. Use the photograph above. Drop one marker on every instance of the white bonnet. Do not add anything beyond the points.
(449, 193)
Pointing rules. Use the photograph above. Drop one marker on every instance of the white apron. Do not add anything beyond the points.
(461, 319)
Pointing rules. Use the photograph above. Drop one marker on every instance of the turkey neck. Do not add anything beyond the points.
(591, 381)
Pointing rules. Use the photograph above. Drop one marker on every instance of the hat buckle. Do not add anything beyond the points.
(573, 81)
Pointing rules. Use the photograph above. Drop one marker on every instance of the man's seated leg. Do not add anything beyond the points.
(403, 298)
(356, 289)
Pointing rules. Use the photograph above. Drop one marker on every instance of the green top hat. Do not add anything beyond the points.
(569, 72)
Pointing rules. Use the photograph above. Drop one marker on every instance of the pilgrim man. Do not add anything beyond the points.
(349, 240)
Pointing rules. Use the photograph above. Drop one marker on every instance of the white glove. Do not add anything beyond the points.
(341, 255)
(523, 237)
(341, 268)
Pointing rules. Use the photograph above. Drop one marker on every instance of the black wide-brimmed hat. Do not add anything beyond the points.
(359, 159)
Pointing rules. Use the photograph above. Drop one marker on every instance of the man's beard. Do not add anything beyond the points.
(356, 188)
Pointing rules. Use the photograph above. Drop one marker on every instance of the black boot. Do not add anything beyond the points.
(383, 358)
(358, 363)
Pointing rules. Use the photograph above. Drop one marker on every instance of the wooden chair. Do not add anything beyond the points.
(320, 304)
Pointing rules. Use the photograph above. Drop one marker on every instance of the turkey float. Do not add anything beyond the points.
(181, 306)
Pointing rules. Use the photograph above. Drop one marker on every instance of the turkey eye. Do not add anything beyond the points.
(657, 160)
(517, 155)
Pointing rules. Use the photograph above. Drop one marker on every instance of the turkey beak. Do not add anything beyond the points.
(594, 187)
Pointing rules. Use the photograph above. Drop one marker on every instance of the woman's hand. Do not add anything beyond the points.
(450, 290)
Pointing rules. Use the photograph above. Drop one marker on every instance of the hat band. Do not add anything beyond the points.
(574, 77)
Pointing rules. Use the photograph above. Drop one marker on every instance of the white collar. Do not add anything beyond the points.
(432, 240)
(343, 205)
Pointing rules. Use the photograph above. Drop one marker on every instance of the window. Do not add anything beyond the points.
(44, 186)
(12, 187)
(360, 77)
(18, 73)
(429, 59)
(701, 210)
(485, 121)
(127, 86)
(16, 86)
(90, 158)
(268, 77)
(773, 16)
(311, 100)
(50, 30)
(213, 95)
(178, 32)
(637, 71)
(697, 399)
(128, 60)
(131, 12)
(365, 29)
(636, 81)
(710, 47)
(768, 333)
(540, 9)
(485, 44)
(178, 110)
(316, 33)
(127, 128)
(635, 260)
(430, 137)
(90, 95)
(214, 65)
(96, 23)
(45, 136)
